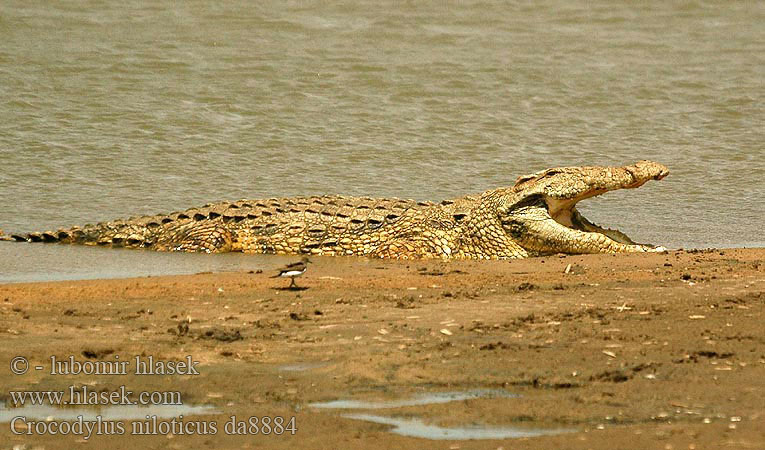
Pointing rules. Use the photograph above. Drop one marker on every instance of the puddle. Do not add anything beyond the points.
(417, 428)
(118, 412)
(413, 427)
(422, 399)
(299, 367)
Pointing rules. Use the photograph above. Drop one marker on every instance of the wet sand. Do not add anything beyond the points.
(620, 351)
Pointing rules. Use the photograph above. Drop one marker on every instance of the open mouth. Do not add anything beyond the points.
(564, 211)
(573, 219)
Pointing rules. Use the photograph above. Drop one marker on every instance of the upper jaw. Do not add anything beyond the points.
(563, 188)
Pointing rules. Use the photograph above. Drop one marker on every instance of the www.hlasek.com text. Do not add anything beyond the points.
(87, 396)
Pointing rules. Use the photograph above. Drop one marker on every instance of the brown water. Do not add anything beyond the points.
(114, 109)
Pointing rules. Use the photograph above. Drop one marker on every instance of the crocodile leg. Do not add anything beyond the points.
(205, 237)
(408, 248)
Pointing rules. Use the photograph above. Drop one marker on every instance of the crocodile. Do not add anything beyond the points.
(536, 216)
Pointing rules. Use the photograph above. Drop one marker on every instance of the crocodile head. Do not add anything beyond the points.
(539, 213)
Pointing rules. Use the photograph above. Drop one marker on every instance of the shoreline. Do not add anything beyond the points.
(631, 350)
(124, 264)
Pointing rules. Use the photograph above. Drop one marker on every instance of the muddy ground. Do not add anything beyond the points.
(623, 351)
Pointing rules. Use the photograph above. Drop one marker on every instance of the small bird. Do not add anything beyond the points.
(293, 271)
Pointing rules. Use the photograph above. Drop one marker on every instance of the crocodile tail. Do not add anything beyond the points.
(90, 234)
(180, 231)
(136, 233)
(47, 236)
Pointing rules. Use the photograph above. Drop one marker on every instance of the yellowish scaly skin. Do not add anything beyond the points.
(536, 216)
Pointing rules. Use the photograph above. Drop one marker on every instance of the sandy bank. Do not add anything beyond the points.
(629, 351)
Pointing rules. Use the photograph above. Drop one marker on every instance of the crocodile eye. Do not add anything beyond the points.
(459, 217)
